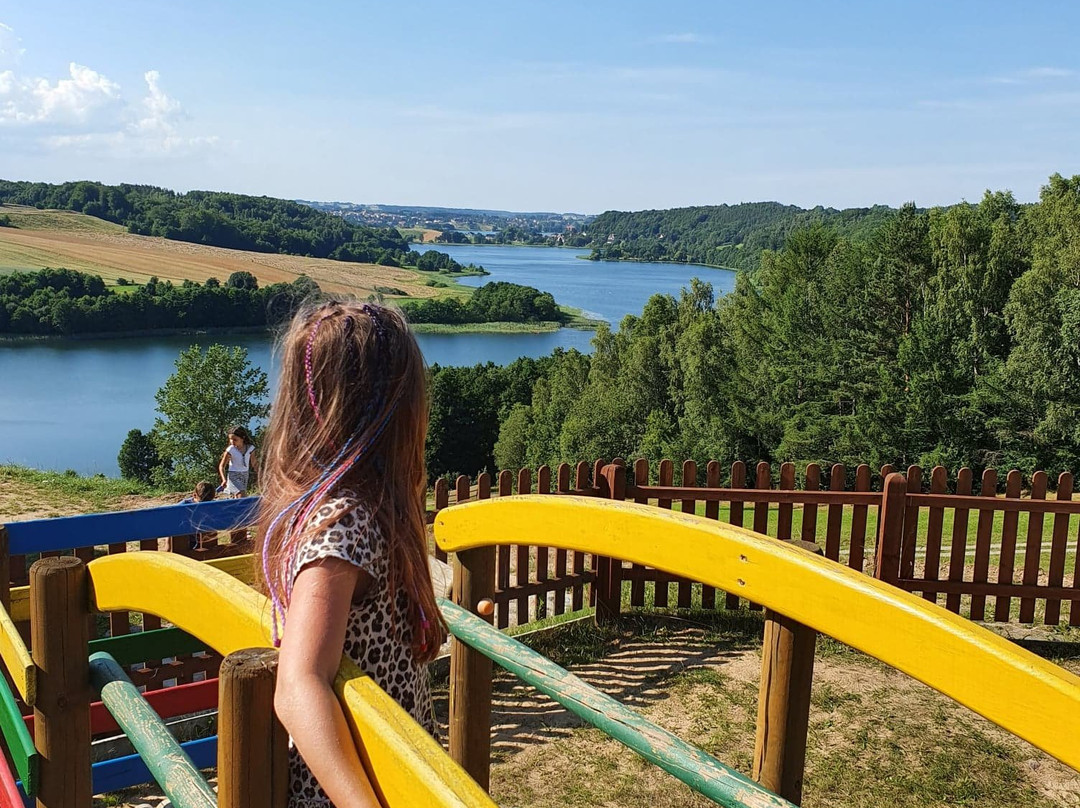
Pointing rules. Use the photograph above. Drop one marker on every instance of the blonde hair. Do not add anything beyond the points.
(351, 412)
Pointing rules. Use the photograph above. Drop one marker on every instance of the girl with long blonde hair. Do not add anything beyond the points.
(344, 547)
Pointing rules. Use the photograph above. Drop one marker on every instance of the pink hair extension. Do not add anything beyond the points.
(308, 374)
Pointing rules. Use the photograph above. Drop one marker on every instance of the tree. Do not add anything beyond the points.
(209, 392)
(242, 280)
(138, 456)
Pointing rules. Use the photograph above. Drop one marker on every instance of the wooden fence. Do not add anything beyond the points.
(989, 557)
(957, 549)
(150, 674)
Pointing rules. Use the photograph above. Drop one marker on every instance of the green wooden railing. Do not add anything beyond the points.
(700, 771)
(17, 739)
(167, 762)
(127, 649)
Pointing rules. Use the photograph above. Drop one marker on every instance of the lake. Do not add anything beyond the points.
(69, 404)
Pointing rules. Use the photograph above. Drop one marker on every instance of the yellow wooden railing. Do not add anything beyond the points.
(1024, 694)
(407, 765)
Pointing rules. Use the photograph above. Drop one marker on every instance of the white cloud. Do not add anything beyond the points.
(89, 111)
(68, 102)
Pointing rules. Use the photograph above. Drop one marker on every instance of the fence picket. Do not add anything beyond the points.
(1059, 539)
(1007, 558)
(543, 572)
(637, 586)
(857, 548)
(911, 525)
(735, 516)
(783, 520)
(808, 526)
(837, 482)
(983, 530)
(581, 481)
(523, 560)
(663, 580)
(1074, 604)
(442, 499)
(939, 484)
(958, 547)
(712, 511)
(562, 486)
(1033, 547)
(763, 481)
(502, 561)
(689, 479)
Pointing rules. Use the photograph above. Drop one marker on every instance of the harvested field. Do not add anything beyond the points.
(50, 238)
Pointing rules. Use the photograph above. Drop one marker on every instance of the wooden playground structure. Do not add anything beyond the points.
(66, 688)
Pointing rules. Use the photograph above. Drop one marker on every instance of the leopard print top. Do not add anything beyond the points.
(378, 638)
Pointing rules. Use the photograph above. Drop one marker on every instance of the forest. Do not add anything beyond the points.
(949, 335)
(720, 235)
(497, 302)
(64, 302)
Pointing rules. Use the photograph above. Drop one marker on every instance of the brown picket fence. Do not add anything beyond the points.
(939, 539)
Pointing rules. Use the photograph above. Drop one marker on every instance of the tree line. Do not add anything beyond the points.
(234, 221)
(64, 302)
(719, 235)
(947, 336)
(497, 302)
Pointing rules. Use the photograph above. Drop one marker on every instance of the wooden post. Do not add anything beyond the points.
(60, 637)
(612, 484)
(470, 671)
(891, 534)
(787, 672)
(253, 746)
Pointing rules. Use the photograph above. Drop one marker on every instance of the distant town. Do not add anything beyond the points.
(463, 225)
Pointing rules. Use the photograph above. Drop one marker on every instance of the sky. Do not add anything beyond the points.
(543, 105)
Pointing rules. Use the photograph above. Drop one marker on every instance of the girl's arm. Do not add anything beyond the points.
(304, 699)
(221, 466)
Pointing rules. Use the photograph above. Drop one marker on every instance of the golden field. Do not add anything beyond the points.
(55, 238)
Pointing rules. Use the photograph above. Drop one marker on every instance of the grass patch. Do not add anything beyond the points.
(51, 493)
(485, 328)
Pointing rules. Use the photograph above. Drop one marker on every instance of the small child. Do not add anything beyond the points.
(344, 553)
(203, 493)
(239, 459)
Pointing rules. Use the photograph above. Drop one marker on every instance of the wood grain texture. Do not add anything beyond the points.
(60, 637)
(253, 746)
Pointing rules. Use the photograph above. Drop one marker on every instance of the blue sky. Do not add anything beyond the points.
(546, 105)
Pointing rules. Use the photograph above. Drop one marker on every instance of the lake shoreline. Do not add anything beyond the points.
(653, 261)
(579, 323)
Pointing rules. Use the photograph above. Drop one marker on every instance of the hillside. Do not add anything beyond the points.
(235, 221)
(52, 238)
(719, 235)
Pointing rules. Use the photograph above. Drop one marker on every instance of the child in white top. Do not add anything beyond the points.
(237, 463)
